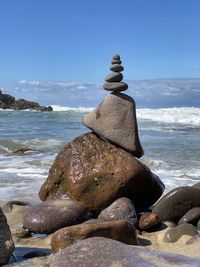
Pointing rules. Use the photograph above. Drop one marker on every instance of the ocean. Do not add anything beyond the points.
(169, 136)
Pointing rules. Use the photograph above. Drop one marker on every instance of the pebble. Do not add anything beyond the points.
(116, 57)
(116, 68)
(173, 234)
(148, 220)
(114, 77)
(116, 61)
(115, 86)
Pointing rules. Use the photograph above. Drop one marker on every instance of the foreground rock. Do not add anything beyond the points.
(6, 242)
(115, 120)
(177, 202)
(122, 208)
(121, 230)
(104, 252)
(9, 102)
(49, 216)
(96, 173)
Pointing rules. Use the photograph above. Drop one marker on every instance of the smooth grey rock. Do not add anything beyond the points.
(192, 216)
(116, 61)
(49, 216)
(116, 67)
(173, 234)
(115, 86)
(176, 203)
(6, 242)
(103, 252)
(120, 230)
(115, 120)
(116, 57)
(122, 208)
(114, 77)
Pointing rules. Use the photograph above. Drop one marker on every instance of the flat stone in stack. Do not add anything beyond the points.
(113, 79)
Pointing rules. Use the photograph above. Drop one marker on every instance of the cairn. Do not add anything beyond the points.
(113, 79)
(115, 118)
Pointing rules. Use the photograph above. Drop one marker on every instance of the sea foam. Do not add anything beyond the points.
(75, 109)
(183, 115)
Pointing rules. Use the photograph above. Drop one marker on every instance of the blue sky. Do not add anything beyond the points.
(73, 40)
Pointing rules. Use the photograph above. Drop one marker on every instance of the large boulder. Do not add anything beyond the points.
(177, 202)
(49, 216)
(103, 252)
(6, 242)
(96, 173)
(121, 230)
(115, 120)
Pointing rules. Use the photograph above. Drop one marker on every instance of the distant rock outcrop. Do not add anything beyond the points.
(9, 102)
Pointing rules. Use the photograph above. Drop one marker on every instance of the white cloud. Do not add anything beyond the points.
(29, 82)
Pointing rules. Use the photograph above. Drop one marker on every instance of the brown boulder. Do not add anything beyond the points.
(121, 230)
(95, 172)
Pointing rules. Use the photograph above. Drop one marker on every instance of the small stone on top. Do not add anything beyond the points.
(113, 79)
(116, 57)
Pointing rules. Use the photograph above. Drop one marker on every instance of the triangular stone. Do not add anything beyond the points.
(115, 120)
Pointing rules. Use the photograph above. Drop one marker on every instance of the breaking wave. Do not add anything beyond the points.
(78, 109)
(183, 115)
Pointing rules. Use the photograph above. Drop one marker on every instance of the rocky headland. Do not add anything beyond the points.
(9, 102)
(100, 205)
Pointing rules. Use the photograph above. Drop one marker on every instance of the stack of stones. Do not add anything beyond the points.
(98, 188)
(115, 118)
(98, 176)
(113, 79)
